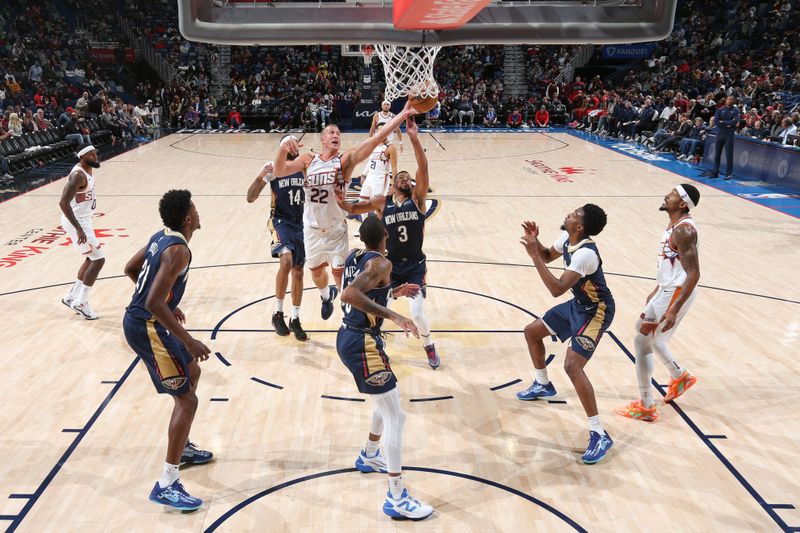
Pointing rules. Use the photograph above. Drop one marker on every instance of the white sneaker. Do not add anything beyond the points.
(406, 508)
(66, 300)
(371, 464)
(84, 309)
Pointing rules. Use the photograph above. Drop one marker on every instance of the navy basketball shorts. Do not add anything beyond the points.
(287, 235)
(362, 353)
(585, 324)
(410, 271)
(165, 357)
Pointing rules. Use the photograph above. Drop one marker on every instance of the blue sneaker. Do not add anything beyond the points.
(367, 464)
(175, 496)
(536, 391)
(327, 305)
(194, 456)
(406, 508)
(598, 447)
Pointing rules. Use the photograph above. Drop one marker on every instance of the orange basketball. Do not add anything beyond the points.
(422, 103)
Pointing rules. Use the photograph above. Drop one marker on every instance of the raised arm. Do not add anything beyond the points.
(685, 238)
(375, 203)
(422, 180)
(261, 180)
(354, 156)
(375, 274)
(284, 167)
(392, 151)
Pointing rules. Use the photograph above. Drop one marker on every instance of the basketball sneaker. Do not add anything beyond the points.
(433, 357)
(66, 300)
(84, 309)
(598, 447)
(175, 496)
(638, 411)
(327, 305)
(367, 464)
(297, 329)
(192, 455)
(536, 391)
(406, 508)
(679, 386)
(279, 323)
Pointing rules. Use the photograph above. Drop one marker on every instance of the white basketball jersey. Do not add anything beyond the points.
(83, 203)
(670, 270)
(322, 179)
(384, 118)
(378, 162)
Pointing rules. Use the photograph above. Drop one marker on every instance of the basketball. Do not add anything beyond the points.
(419, 99)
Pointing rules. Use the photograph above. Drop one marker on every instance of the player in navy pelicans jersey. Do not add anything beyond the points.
(584, 318)
(367, 284)
(153, 329)
(286, 226)
(324, 225)
(403, 213)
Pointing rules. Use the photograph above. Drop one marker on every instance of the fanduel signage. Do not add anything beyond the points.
(627, 51)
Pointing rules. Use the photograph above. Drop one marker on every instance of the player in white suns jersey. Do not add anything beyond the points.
(324, 225)
(678, 274)
(381, 168)
(78, 202)
(383, 117)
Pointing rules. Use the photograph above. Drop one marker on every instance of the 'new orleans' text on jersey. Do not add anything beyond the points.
(405, 224)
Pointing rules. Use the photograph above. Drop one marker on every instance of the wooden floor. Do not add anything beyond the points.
(82, 434)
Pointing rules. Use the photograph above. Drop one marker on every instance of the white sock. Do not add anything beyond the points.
(325, 293)
(168, 475)
(665, 354)
(426, 340)
(396, 486)
(595, 424)
(76, 288)
(541, 376)
(83, 294)
(278, 305)
(295, 311)
(372, 447)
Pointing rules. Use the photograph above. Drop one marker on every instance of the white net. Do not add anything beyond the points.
(409, 70)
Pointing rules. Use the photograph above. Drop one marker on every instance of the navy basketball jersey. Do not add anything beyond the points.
(591, 289)
(405, 224)
(288, 197)
(152, 262)
(356, 262)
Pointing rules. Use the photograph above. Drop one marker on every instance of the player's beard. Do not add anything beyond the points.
(563, 227)
(663, 207)
(406, 191)
(93, 164)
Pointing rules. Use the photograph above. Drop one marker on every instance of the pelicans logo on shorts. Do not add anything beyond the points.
(586, 343)
(173, 383)
(379, 378)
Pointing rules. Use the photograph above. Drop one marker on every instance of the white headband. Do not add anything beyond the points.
(85, 151)
(386, 102)
(685, 197)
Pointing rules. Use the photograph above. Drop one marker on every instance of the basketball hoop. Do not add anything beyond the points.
(368, 51)
(409, 70)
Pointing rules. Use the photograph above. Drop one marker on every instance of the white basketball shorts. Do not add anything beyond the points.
(91, 248)
(658, 305)
(326, 246)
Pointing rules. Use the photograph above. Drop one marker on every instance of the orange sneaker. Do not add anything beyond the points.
(638, 411)
(679, 386)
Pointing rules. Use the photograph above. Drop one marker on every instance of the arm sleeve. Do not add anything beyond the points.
(584, 262)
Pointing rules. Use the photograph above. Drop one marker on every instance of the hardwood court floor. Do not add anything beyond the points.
(720, 461)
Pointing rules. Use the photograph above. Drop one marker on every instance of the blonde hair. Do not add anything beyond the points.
(13, 119)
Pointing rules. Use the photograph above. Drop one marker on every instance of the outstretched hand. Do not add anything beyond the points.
(411, 128)
(531, 229)
(409, 290)
(291, 145)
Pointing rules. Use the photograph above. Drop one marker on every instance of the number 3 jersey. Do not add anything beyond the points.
(405, 224)
(323, 178)
(152, 262)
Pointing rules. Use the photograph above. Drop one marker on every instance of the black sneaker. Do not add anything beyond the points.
(297, 329)
(279, 324)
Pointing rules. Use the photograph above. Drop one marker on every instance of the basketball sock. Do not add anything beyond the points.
(83, 294)
(278, 305)
(396, 487)
(295, 311)
(595, 424)
(325, 293)
(76, 288)
(419, 317)
(394, 418)
(644, 373)
(541, 376)
(372, 447)
(663, 351)
(169, 474)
